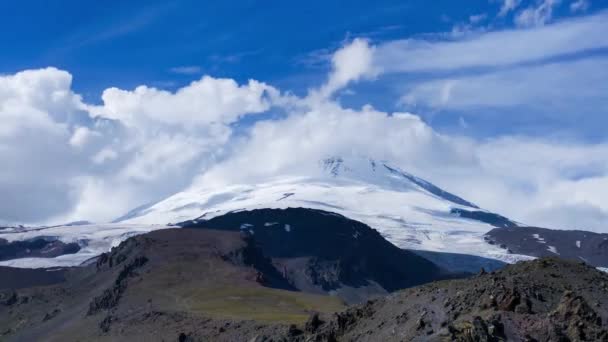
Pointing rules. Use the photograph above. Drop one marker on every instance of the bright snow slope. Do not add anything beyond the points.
(93, 239)
(406, 210)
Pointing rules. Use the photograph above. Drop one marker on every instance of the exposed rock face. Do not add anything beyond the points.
(589, 247)
(178, 283)
(483, 216)
(322, 252)
(41, 247)
(110, 297)
(224, 285)
(575, 319)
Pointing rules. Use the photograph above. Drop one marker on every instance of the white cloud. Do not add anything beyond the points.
(580, 6)
(104, 155)
(537, 16)
(350, 64)
(207, 101)
(526, 179)
(35, 108)
(295, 144)
(508, 6)
(560, 184)
(494, 49)
(508, 73)
(147, 142)
(563, 88)
(187, 70)
(475, 19)
(82, 135)
(471, 27)
(159, 140)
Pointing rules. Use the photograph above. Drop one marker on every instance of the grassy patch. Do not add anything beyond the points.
(259, 303)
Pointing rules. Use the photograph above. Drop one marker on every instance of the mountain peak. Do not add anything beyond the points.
(409, 211)
(377, 172)
(341, 166)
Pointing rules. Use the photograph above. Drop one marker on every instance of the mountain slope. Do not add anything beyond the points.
(262, 270)
(406, 210)
(541, 300)
(154, 285)
(68, 245)
(580, 245)
(323, 252)
(205, 284)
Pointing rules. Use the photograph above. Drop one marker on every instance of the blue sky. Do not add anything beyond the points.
(521, 79)
(113, 43)
(170, 43)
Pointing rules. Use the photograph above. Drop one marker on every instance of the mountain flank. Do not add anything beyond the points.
(542, 300)
(327, 253)
(295, 275)
(152, 286)
(589, 247)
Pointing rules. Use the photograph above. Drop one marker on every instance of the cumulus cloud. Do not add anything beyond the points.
(526, 179)
(36, 108)
(350, 64)
(59, 153)
(82, 135)
(294, 145)
(160, 140)
(207, 101)
(550, 182)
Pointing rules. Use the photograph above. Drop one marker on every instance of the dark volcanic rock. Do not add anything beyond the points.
(580, 322)
(16, 278)
(319, 251)
(252, 256)
(585, 246)
(205, 284)
(110, 297)
(541, 300)
(40, 247)
(461, 263)
(483, 216)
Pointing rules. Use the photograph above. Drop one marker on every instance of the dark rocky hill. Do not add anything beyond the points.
(280, 275)
(323, 252)
(579, 245)
(484, 216)
(17, 278)
(155, 287)
(245, 274)
(541, 300)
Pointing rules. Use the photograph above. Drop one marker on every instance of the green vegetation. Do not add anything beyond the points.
(260, 304)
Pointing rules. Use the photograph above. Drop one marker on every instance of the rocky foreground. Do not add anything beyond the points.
(542, 300)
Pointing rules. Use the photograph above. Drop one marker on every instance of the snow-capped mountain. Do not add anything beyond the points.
(407, 210)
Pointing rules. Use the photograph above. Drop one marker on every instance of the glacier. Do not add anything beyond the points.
(408, 211)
